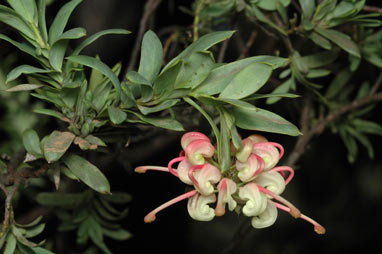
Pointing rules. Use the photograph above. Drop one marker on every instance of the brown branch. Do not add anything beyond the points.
(222, 51)
(149, 8)
(320, 126)
(376, 84)
(369, 8)
(284, 38)
(8, 204)
(248, 45)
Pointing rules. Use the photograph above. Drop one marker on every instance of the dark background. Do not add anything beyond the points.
(345, 198)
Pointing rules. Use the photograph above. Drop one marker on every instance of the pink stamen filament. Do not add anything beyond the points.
(175, 160)
(150, 217)
(143, 169)
(293, 210)
(280, 147)
(281, 170)
(261, 167)
(317, 227)
(191, 173)
(181, 154)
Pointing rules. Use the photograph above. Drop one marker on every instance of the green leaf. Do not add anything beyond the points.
(320, 41)
(99, 66)
(151, 56)
(341, 39)
(24, 69)
(35, 230)
(247, 81)
(57, 144)
(87, 173)
(281, 89)
(51, 112)
(166, 79)
(31, 143)
(263, 18)
(195, 69)
(10, 246)
(202, 44)
(137, 78)
(31, 224)
(57, 53)
(23, 87)
(324, 8)
(338, 83)
(95, 36)
(210, 100)
(320, 59)
(42, 19)
(161, 106)
(367, 126)
(95, 140)
(20, 238)
(21, 46)
(118, 198)
(39, 250)
(263, 120)
(61, 19)
(3, 170)
(270, 5)
(307, 7)
(344, 9)
(116, 115)
(166, 123)
(11, 18)
(74, 33)
(349, 143)
(221, 76)
(117, 234)
(25, 8)
(363, 139)
(224, 147)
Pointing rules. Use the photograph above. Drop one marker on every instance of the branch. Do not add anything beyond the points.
(320, 126)
(371, 9)
(248, 45)
(149, 8)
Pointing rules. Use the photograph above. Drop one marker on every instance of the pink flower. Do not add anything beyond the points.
(253, 183)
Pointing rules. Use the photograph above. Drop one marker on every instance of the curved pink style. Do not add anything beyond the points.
(150, 217)
(281, 169)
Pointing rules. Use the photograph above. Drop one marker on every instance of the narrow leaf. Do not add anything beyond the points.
(247, 81)
(57, 53)
(24, 69)
(87, 173)
(263, 120)
(99, 66)
(202, 44)
(341, 39)
(61, 19)
(95, 36)
(23, 87)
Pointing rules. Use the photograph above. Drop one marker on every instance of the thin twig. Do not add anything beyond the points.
(168, 42)
(222, 51)
(369, 8)
(376, 84)
(8, 204)
(284, 38)
(149, 9)
(248, 45)
(320, 126)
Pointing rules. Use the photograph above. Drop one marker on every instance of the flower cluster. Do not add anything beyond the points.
(252, 184)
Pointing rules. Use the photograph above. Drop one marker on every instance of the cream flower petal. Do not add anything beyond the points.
(206, 177)
(198, 150)
(272, 181)
(199, 209)
(182, 170)
(266, 218)
(256, 201)
(248, 169)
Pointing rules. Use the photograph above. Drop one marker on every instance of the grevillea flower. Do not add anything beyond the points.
(253, 184)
